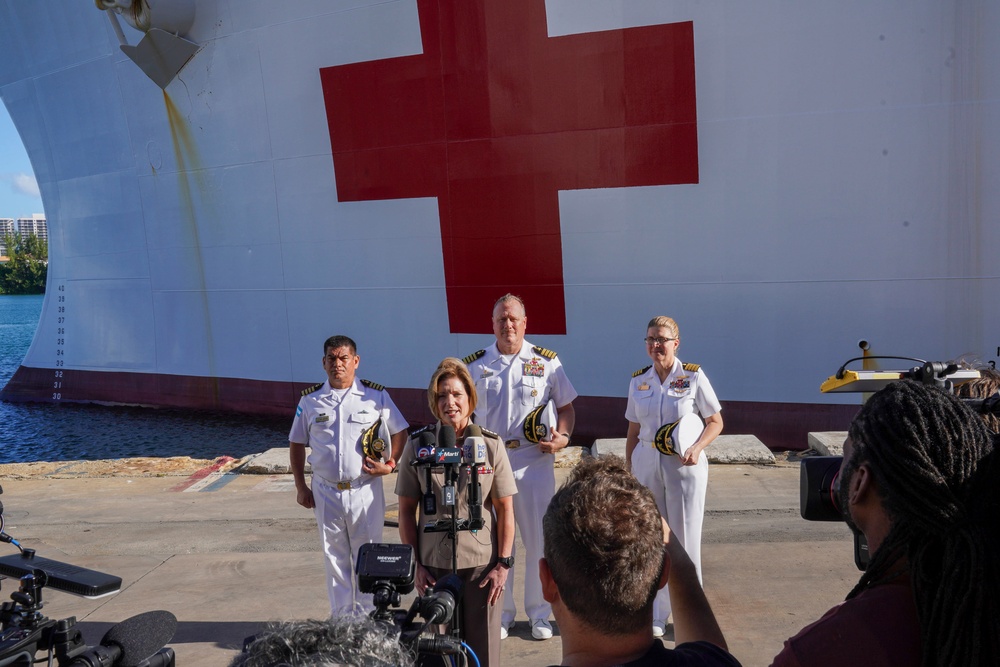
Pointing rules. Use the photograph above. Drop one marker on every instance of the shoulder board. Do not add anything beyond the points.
(472, 357)
(309, 390)
(692, 367)
(491, 434)
(373, 385)
(641, 371)
(541, 351)
(422, 429)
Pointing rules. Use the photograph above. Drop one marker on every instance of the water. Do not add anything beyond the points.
(71, 432)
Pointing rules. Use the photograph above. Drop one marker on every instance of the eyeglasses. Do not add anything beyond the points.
(657, 341)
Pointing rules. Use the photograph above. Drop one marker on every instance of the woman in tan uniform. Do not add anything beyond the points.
(483, 556)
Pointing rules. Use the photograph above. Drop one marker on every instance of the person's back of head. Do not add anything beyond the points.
(357, 641)
(604, 546)
(936, 475)
(986, 385)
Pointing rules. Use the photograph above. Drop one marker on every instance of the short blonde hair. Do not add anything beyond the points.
(451, 367)
(666, 323)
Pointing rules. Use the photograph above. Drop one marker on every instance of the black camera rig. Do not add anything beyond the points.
(387, 572)
(24, 630)
(820, 475)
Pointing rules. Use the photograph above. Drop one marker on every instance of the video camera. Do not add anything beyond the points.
(387, 572)
(135, 642)
(819, 480)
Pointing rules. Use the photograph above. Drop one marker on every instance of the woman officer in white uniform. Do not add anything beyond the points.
(661, 394)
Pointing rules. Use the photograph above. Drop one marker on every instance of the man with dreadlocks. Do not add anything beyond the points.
(921, 482)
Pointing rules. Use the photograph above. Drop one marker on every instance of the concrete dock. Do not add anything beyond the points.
(227, 552)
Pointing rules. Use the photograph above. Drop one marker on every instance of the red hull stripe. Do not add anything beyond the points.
(778, 425)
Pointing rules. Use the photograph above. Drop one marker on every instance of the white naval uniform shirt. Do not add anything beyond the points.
(332, 427)
(652, 404)
(509, 391)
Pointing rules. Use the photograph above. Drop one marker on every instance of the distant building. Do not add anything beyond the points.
(6, 227)
(36, 224)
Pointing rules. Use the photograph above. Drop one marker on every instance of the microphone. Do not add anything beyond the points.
(424, 455)
(131, 642)
(446, 436)
(474, 449)
(439, 605)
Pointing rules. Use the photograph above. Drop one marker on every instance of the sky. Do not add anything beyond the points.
(18, 190)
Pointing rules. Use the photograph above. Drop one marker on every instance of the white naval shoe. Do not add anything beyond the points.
(659, 627)
(541, 629)
(504, 628)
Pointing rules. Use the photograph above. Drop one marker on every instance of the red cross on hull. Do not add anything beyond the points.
(493, 119)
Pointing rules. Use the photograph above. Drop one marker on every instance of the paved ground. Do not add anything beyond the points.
(227, 552)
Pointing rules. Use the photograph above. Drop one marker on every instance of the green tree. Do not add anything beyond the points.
(28, 266)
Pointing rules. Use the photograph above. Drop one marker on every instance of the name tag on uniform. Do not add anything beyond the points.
(533, 369)
(322, 418)
(486, 374)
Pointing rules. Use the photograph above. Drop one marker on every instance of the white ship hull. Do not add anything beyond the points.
(783, 180)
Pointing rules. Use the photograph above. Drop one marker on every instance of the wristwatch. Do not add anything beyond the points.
(507, 562)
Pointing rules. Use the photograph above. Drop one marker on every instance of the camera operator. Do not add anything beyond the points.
(607, 553)
(483, 558)
(920, 480)
(345, 640)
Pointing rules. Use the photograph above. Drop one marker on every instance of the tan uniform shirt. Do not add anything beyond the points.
(497, 481)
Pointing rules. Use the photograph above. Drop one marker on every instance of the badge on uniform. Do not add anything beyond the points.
(643, 387)
(373, 440)
(322, 418)
(681, 383)
(676, 437)
(486, 374)
(533, 368)
(539, 423)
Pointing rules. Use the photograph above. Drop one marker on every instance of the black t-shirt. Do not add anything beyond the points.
(688, 654)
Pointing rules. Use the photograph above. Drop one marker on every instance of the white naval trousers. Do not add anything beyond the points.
(347, 519)
(536, 484)
(679, 491)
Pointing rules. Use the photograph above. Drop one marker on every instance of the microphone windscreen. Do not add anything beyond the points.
(425, 439)
(451, 583)
(141, 636)
(446, 436)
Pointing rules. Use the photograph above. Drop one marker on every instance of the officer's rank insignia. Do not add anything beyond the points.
(472, 357)
(641, 371)
(309, 390)
(533, 368)
(643, 387)
(541, 351)
(322, 418)
(373, 385)
(372, 444)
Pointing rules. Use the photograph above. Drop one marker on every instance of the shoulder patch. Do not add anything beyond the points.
(541, 351)
(692, 367)
(373, 385)
(641, 371)
(309, 390)
(472, 357)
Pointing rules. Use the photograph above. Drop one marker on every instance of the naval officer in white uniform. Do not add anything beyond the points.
(661, 394)
(339, 421)
(512, 378)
